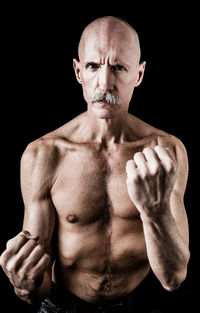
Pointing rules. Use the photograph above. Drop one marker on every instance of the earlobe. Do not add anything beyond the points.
(76, 66)
(140, 73)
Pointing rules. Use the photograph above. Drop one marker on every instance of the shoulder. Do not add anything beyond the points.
(48, 150)
(178, 150)
(158, 136)
(41, 151)
(42, 156)
(39, 163)
(174, 144)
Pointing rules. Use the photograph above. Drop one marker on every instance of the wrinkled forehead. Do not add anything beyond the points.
(104, 41)
(103, 47)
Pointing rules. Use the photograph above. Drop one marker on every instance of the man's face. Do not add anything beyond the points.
(108, 64)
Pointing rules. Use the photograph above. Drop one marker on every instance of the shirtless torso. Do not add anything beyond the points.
(103, 194)
(101, 252)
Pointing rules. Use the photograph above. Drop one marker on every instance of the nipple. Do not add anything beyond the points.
(72, 218)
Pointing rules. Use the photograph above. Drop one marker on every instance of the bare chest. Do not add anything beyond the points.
(90, 187)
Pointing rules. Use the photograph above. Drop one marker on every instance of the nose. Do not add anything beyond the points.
(105, 79)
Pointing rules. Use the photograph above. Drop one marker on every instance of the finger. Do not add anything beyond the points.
(15, 244)
(36, 254)
(131, 168)
(14, 262)
(42, 264)
(141, 163)
(164, 155)
(38, 264)
(171, 154)
(26, 249)
(37, 272)
(5, 256)
(152, 158)
(19, 240)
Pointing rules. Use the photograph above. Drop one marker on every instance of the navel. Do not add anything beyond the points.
(105, 285)
(72, 218)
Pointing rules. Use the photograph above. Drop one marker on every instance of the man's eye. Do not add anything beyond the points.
(117, 68)
(92, 66)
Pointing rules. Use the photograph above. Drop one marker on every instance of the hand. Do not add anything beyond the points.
(24, 262)
(151, 176)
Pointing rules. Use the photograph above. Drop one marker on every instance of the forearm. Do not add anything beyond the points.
(167, 252)
(39, 294)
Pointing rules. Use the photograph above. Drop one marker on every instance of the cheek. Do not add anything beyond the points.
(126, 90)
(87, 86)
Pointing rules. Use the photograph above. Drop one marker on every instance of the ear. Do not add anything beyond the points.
(141, 70)
(77, 67)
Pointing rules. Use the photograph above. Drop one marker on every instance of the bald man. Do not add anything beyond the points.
(103, 194)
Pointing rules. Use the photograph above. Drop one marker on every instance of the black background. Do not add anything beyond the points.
(40, 93)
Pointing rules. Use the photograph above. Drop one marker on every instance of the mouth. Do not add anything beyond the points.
(104, 103)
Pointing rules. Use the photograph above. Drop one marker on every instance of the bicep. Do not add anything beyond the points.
(36, 181)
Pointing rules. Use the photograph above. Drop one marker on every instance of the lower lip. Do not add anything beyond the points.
(104, 103)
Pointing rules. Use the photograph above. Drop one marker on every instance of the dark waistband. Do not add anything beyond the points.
(63, 298)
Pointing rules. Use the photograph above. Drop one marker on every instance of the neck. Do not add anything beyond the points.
(110, 130)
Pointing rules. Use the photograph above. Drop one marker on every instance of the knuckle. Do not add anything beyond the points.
(47, 257)
(9, 242)
(45, 260)
(147, 149)
(28, 265)
(40, 248)
(4, 257)
(19, 259)
(11, 266)
(2, 260)
(33, 275)
(138, 155)
(32, 242)
(130, 167)
(155, 168)
(169, 166)
(158, 148)
(22, 273)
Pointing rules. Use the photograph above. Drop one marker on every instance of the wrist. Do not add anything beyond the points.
(38, 294)
(23, 294)
(156, 213)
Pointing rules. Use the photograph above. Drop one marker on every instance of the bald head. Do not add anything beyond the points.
(109, 27)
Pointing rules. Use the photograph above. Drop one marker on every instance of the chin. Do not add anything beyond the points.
(103, 114)
(104, 111)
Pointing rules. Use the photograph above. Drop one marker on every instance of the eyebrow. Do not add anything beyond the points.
(116, 62)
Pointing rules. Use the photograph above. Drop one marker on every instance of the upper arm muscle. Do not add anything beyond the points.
(37, 168)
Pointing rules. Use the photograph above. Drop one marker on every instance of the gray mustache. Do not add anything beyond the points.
(107, 97)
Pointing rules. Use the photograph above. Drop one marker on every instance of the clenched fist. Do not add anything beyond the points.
(24, 261)
(151, 176)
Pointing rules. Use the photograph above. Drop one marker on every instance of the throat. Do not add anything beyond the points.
(111, 130)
